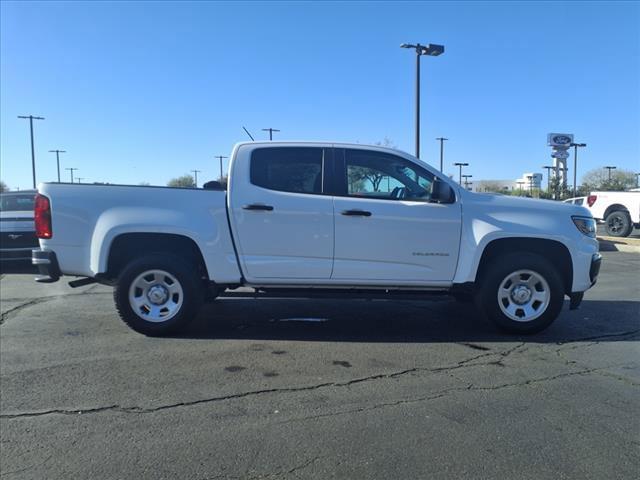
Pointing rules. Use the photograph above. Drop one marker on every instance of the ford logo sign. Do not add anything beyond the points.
(561, 139)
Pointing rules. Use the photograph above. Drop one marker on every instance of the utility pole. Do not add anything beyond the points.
(33, 153)
(250, 136)
(466, 181)
(549, 168)
(80, 179)
(520, 185)
(220, 157)
(442, 140)
(575, 163)
(195, 172)
(431, 50)
(458, 164)
(58, 152)
(270, 130)
(71, 169)
(610, 168)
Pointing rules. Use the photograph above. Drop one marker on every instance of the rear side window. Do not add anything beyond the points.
(288, 169)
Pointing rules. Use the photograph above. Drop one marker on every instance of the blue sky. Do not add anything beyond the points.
(148, 91)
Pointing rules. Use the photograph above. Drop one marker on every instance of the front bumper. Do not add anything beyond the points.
(594, 270)
(47, 264)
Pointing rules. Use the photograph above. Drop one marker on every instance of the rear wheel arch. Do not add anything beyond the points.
(127, 247)
(616, 207)
(553, 250)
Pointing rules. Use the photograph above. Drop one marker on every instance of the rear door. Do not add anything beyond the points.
(281, 215)
(386, 229)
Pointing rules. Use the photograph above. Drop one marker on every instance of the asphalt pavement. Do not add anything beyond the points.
(319, 389)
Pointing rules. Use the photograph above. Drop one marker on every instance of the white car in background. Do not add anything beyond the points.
(575, 200)
(620, 211)
(17, 229)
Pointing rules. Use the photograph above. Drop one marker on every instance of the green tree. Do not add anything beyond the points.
(185, 181)
(3, 187)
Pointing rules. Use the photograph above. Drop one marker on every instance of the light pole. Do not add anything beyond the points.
(442, 140)
(610, 168)
(195, 172)
(80, 179)
(549, 168)
(71, 169)
(220, 157)
(270, 130)
(432, 51)
(58, 152)
(458, 164)
(466, 180)
(575, 163)
(33, 153)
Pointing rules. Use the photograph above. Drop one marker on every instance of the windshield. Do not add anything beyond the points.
(17, 203)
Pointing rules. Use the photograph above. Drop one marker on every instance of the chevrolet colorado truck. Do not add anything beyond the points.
(620, 211)
(317, 219)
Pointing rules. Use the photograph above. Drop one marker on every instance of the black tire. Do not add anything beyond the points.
(500, 268)
(182, 307)
(618, 224)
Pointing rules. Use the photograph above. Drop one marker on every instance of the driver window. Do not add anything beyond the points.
(383, 176)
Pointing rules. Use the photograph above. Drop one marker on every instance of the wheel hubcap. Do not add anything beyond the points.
(156, 295)
(524, 295)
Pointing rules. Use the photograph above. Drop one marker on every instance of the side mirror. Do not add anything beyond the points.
(442, 192)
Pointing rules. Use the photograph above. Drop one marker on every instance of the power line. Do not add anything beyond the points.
(220, 157)
(33, 153)
(71, 169)
(196, 176)
(270, 130)
(58, 152)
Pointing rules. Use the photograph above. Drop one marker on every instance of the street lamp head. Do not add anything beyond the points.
(433, 50)
(577, 144)
(459, 164)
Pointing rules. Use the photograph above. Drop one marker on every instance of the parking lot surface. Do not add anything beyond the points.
(319, 389)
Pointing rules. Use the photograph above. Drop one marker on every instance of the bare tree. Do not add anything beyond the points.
(598, 179)
(185, 181)
(3, 187)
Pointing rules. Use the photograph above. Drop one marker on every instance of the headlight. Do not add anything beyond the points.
(586, 225)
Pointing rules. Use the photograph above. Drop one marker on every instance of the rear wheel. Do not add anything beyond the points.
(521, 293)
(618, 224)
(158, 294)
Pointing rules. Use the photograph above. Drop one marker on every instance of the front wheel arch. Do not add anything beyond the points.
(553, 250)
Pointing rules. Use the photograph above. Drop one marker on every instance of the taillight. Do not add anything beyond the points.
(42, 213)
(591, 199)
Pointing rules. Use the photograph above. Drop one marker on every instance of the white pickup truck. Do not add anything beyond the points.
(305, 219)
(620, 211)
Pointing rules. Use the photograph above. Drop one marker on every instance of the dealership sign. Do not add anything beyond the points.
(560, 140)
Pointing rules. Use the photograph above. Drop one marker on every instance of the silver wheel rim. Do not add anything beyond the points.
(156, 296)
(524, 295)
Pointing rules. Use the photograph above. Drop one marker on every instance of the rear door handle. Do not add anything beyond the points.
(258, 206)
(356, 213)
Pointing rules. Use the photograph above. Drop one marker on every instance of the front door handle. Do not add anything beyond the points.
(258, 206)
(356, 213)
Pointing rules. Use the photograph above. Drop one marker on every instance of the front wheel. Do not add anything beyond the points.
(618, 224)
(158, 294)
(521, 293)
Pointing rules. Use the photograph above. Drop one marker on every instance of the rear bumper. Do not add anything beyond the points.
(15, 254)
(47, 264)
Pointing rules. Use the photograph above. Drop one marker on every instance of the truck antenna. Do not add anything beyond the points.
(250, 136)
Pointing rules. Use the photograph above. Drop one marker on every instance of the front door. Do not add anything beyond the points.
(387, 231)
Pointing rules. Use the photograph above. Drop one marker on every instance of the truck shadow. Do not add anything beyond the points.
(441, 320)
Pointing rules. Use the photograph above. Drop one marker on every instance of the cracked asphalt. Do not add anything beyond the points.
(381, 389)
